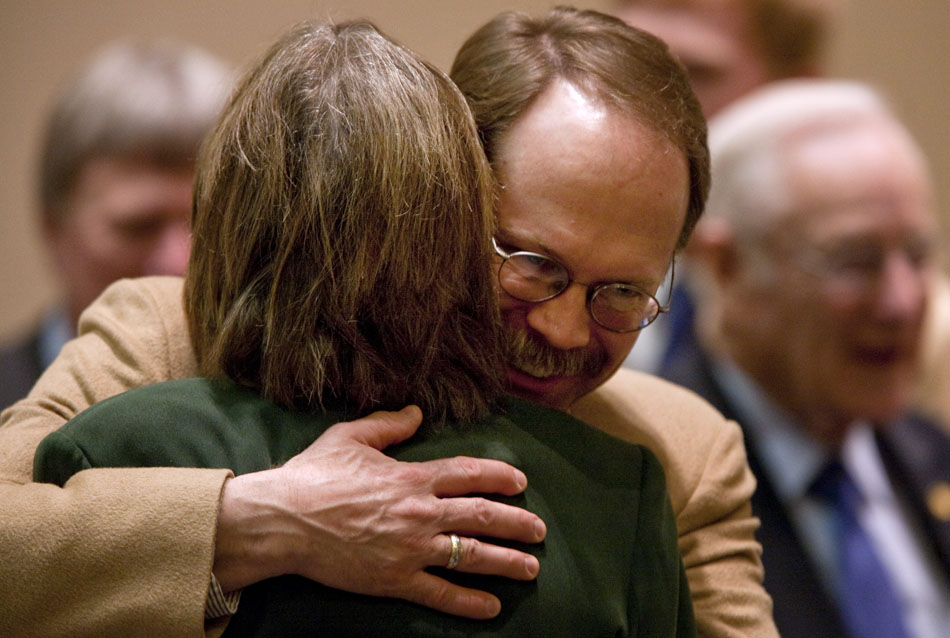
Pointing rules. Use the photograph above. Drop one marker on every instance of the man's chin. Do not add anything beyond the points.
(555, 392)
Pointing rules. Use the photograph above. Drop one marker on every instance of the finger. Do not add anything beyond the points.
(475, 516)
(431, 591)
(478, 557)
(381, 429)
(466, 475)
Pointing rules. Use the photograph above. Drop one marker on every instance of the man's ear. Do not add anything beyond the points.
(713, 244)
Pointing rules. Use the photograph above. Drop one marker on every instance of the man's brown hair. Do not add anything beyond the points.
(342, 225)
(150, 101)
(509, 61)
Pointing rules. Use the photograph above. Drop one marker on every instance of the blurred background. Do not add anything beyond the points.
(901, 47)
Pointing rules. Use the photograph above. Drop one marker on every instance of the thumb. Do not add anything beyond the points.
(382, 429)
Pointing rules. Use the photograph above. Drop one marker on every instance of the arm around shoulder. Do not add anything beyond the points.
(114, 552)
(124, 551)
(133, 335)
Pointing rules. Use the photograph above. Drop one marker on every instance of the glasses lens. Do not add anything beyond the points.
(623, 308)
(531, 277)
(858, 267)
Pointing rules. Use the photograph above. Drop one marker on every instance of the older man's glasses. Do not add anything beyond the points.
(857, 267)
(534, 278)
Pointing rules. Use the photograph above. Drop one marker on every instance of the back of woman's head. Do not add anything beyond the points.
(342, 228)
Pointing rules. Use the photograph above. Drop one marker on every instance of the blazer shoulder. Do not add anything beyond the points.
(637, 399)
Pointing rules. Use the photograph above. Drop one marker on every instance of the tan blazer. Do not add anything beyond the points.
(128, 552)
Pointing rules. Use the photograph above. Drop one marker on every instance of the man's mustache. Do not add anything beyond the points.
(532, 354)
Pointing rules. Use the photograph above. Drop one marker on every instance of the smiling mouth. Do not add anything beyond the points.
(882, 356)
(533, 387)
(533, 358)
(534, 371)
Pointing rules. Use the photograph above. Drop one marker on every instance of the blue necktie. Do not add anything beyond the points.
(869, 606)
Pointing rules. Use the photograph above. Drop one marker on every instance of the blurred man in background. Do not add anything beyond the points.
(731, 47)
(115, 182)
(814, 268)
(728, 47)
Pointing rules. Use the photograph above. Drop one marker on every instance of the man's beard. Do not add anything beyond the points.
(532, 355)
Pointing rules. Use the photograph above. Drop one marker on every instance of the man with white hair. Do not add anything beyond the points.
(816, 262)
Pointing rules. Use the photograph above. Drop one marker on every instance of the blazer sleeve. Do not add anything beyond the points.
(114, 551)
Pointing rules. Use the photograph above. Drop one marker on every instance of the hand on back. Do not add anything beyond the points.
(344, 514)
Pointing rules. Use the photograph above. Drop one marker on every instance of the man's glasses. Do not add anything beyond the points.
(618, 307)
(857, 267)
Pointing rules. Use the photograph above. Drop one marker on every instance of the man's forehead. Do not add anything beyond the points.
(849, 166)
(571, 123)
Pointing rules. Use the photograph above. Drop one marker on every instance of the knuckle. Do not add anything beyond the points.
(412, 474)
(470, 467)
(472, 552)
(388, 583)
(415, 510)
(439, 596)
(483, 511)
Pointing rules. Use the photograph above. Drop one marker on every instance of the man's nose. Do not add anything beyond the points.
(170, 251)
(902, 288)
(563, 320)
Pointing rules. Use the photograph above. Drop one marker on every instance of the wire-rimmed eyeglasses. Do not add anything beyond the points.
(618, 307)
(857, 267)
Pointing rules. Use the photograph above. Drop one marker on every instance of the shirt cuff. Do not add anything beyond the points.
(218, 603)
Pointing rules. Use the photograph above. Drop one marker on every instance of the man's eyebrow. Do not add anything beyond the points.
(518, 244)
(543, 249)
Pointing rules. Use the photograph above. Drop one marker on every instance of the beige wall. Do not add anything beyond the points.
(900, 46)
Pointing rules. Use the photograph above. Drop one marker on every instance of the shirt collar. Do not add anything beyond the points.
(55, 331)
(790, 457)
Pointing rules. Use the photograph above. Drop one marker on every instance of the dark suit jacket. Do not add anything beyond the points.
(20, 367)
(609, 564)
(916, 456)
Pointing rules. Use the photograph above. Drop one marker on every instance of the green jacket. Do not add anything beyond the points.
(609, 565)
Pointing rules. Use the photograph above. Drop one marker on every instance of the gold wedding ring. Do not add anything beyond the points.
(456, 556)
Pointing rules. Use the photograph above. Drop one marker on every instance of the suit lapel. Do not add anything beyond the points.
(916, 456)
(802, 607)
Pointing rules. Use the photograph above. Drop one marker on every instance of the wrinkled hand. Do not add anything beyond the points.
(344, 514)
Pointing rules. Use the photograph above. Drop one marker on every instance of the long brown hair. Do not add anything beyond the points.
(342, 227)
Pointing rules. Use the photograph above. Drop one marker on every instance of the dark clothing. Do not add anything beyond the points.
(916, 457)
(20, 367)
(609, 565)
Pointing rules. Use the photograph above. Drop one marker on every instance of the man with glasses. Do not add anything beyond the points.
(534, 278)
(817, 257)
(598, 147)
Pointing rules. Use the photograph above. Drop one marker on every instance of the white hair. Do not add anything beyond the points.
(749, 143)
